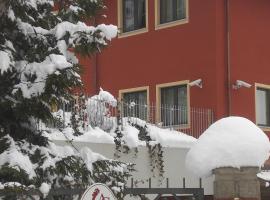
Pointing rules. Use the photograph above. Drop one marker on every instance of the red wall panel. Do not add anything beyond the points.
(190, 51)
(250, 51)
(183, 52)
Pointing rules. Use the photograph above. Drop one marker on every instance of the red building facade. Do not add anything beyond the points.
(164, 46)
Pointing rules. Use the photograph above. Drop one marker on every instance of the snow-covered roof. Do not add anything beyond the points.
(230, 142)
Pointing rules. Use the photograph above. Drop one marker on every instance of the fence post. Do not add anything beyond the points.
(119, 114)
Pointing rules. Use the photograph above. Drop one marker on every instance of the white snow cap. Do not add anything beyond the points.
(107, 97)
(264, 175)
(45, 188)
(4, 62)
(229, 142)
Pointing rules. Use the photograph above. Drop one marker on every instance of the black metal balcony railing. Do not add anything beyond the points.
(106, 115)
(189, 120)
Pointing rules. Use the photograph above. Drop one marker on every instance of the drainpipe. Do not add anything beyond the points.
(94, 74)
(94, 68)
(228, 29)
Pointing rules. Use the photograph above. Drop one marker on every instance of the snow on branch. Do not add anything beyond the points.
(59, 36)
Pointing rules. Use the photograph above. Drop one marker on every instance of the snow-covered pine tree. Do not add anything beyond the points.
(38, 68)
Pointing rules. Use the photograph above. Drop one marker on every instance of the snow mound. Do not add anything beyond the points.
(130, 136)
(229, 142)
(170, 138)
(95, 135)
(165, 137)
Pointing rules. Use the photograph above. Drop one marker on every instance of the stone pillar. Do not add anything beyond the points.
(236, 184)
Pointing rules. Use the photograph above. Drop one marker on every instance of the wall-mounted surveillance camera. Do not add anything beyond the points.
(197, 83)
(238, 84)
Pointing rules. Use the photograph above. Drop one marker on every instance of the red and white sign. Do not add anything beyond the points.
(98, 191)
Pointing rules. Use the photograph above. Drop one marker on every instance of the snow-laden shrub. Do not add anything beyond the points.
(100, 109)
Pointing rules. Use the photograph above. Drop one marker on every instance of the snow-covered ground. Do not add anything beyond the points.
(230, 142)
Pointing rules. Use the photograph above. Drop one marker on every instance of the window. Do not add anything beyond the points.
(132, 15)
(263, 106)
(135, 102)
(174, 105)
(171, 12)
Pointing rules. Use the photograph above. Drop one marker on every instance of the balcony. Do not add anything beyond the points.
(189, 120)
(106, 115)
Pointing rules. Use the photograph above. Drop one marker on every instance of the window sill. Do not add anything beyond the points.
(176, 127)
(132, 33)
(171, 24)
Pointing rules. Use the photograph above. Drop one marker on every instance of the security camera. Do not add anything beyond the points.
(197, 82)
(238, 84)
